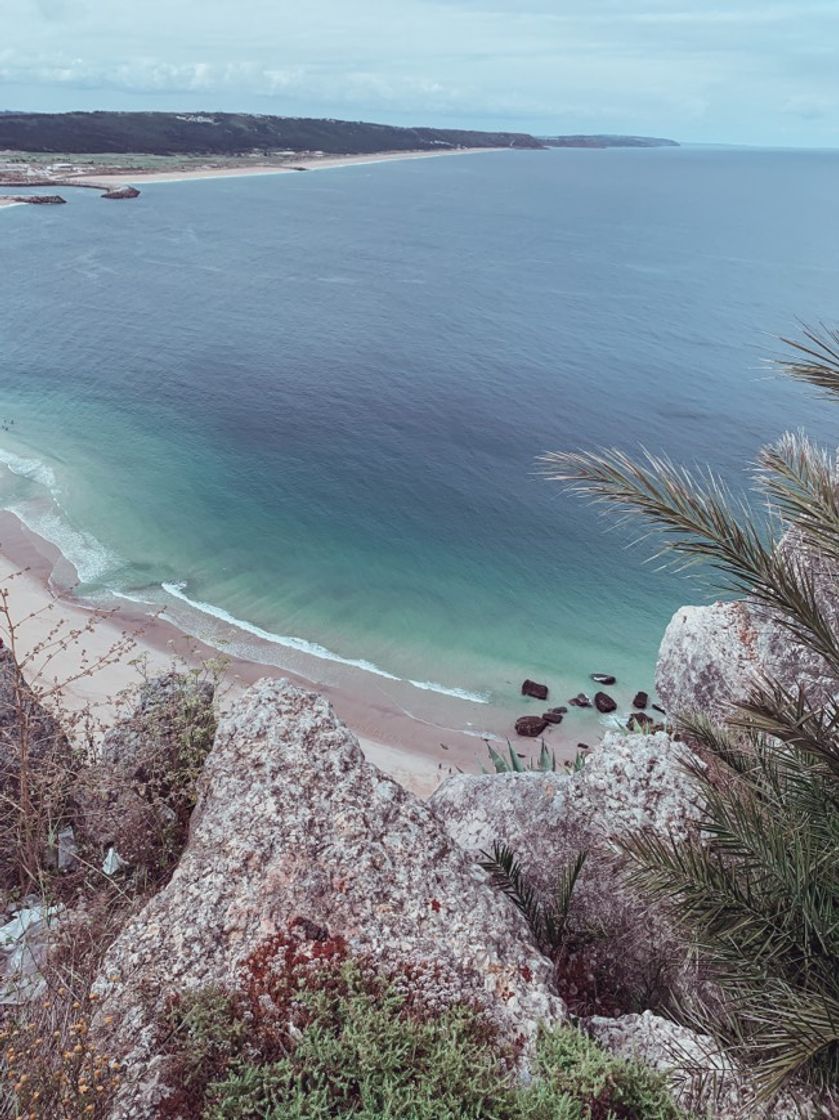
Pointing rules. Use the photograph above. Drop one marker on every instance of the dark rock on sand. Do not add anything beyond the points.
(641, 700)
(604, 703)
(537, 691)
(603, 678)
(552, 716)
(530, 726)
(639, 721)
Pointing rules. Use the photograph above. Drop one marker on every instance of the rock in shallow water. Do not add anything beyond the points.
(537, 691)
(121, 192)
(604, 703)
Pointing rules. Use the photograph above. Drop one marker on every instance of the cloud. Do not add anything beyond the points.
(810, 107)
(51, 10)
(734, 70)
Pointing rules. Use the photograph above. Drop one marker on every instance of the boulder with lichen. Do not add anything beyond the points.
(293, 826)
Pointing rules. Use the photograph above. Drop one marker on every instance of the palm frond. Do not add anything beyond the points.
(803, 482)
(788, 716)
(756, 888)
(547, 921)
(818, 358)
(507, 875)
(701, 521)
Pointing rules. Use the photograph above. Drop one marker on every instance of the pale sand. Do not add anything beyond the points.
(27, 564)
(120, 178)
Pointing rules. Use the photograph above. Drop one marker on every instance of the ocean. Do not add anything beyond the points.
(301, 413)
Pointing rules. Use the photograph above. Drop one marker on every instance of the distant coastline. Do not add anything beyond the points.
(40, 174)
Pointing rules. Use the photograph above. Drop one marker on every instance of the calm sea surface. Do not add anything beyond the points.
(312, 403)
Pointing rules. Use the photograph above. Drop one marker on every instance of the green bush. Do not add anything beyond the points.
(575, 1077)
(313, 1034)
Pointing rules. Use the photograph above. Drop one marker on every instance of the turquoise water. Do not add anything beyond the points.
(312, 403)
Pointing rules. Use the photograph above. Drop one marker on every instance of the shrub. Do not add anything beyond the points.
(570, 1067)
(311, 1033)
(51, 1066)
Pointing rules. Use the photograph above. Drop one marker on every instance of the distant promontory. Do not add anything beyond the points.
(607, 142)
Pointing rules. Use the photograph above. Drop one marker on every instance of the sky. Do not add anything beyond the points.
(722, 71)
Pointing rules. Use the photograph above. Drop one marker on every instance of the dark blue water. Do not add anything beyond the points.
(313, 402)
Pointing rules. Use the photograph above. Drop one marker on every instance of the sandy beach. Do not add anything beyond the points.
(119, 177)
(56, 633)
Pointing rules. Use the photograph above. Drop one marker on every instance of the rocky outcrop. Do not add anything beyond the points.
(121, 192)
(167, 709)
(629, 782)
(25, 726)
(292, 824)
(37, 199)
(701, 1078)
(710, 656)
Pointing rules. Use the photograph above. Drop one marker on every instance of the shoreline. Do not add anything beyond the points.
(323, 163)
(108, 178)
(405, 746)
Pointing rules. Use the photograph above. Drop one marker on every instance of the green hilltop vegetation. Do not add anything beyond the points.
(230, 134)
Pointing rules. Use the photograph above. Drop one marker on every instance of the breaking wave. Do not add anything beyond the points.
(178, 591)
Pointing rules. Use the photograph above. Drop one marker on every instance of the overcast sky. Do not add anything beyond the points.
(740, 71)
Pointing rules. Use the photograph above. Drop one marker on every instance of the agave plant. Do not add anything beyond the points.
(545, 764)
(758, 892)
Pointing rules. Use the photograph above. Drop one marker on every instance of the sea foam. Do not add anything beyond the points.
(177, 590)
(91, 559)
(32, 469)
